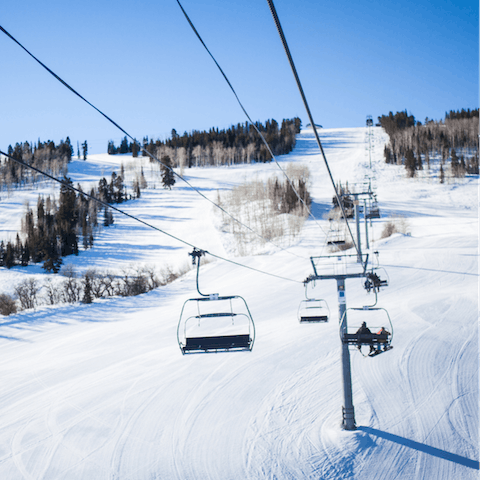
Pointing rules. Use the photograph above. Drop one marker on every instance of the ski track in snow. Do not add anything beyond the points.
(102, 391)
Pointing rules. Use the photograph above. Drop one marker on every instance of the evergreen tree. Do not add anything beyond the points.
(87, 289)
(135, 149)
(9, 258)
(25, 256)
(410, 163)
(103, 190)
(118, 189)
(85, 149)
(455, 164)
(85, 230)
(107, 217)
(66, 219)
(53, 261)
(111, 150)
(168, 178)
(124, 147)
(145, 143)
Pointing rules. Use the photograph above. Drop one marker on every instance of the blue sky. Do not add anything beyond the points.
(142, 65)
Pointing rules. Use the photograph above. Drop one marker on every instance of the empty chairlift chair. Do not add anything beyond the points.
(214, 323)
(373, 211)
(313, 310)
(336, 237)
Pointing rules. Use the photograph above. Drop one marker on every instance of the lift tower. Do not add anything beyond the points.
(369, 136)
(341, 268)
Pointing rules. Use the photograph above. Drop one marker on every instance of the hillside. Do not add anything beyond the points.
(102, 391)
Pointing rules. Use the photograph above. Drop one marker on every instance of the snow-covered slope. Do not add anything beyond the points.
(102, 391)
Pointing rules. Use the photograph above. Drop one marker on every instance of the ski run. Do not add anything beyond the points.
(102, 391)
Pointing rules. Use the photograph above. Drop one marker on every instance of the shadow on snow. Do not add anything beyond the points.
(421, 447)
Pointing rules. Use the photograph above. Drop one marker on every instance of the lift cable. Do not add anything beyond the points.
(307, 108)
(105, 204)
(250, 120)
(153, 157)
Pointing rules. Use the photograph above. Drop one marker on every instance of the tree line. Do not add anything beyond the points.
(238, 144)
(86, 287)
(46, 156)
(414, 144)
(56, 229)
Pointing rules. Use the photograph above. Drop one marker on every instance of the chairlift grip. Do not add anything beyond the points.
(197, 254)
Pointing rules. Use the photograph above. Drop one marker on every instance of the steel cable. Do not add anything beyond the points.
(249, 119)
(307, 108)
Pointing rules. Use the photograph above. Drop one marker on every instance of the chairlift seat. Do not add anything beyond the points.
(216, 315)
(336, 242)
(373, 213)
(365, 338)
(313, 318)
(215, 343)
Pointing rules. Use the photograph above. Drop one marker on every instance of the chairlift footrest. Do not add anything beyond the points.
(365, 338)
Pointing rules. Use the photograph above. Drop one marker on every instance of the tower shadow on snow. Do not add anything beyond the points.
(421, 447)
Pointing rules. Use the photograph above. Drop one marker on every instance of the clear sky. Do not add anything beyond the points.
(141, 64)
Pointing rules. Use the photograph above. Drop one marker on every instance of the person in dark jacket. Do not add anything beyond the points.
(363, 330)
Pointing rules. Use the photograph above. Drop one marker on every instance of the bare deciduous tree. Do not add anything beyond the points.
(7, 305)
(72, 288)
(26, 292)
(52, 293)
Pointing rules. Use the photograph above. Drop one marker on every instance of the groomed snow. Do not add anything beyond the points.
(102, 391)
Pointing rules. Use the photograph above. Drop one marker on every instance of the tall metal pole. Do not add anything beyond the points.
(348, 421)
(370, 146)
(359, 239)
(366, 222)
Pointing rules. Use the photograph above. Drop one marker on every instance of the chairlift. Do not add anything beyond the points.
(214, 323)
(374, 281)
(336, 237)
(313, 310)
(377, 336)
(373, 211)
